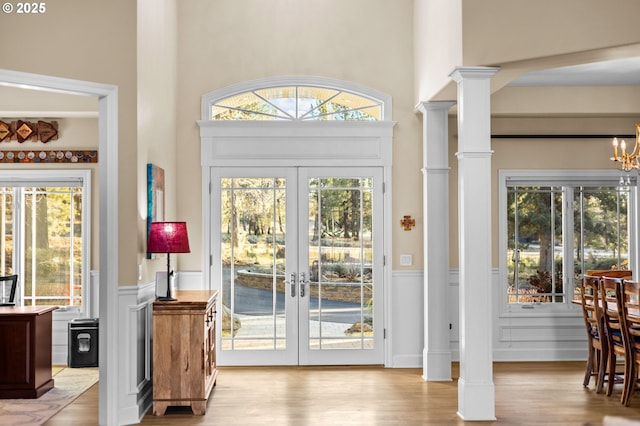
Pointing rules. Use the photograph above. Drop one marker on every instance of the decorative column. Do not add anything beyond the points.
(436, 356)
(476, 392)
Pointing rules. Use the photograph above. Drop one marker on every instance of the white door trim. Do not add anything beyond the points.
(296, 143)
(108, 171)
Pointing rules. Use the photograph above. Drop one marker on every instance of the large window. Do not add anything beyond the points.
(296, 98)
(557, 227)
(44, 222)
(297, 103)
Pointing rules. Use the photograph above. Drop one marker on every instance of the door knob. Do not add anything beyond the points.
(303, 282)
(292, 283)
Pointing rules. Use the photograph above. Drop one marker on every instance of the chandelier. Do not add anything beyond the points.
(628, 160)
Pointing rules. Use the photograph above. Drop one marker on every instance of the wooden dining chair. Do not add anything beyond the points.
(597, 343)
(612, 312)
(631, 310)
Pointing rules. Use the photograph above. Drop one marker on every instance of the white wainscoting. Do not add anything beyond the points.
(542, 337)
(135, 320)
(525, 335)
(406, 319)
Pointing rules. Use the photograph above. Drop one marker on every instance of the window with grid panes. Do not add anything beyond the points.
(557, 228)
(44, 229)
(297, 102)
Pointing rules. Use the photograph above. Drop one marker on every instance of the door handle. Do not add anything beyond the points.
(292, 283)
(302, 284)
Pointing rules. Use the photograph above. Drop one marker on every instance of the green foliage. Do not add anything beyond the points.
(600, 218)
(53, 237)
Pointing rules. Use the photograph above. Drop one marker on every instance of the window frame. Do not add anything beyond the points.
(209, 99)
(555, 178)
(52, 179)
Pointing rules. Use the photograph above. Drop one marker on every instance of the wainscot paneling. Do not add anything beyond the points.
(405, 332)
(135, 319)
(540, 333)
(534, 335)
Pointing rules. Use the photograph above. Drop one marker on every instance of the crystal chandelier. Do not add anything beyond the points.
(628, 161)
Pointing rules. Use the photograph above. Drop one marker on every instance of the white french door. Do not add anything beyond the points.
(298, 261)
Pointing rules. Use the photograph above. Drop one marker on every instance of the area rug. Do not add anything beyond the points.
(69, 384)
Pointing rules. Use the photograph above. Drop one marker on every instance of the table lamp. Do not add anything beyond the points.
(168, 237)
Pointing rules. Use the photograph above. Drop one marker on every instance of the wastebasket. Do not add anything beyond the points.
(83, 342)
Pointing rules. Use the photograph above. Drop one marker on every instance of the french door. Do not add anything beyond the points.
(297, 257)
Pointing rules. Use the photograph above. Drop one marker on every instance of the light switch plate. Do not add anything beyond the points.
(406, 260)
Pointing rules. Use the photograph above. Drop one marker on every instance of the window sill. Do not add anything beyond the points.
(567, 310)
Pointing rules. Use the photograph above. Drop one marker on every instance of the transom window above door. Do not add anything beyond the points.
(296, 99)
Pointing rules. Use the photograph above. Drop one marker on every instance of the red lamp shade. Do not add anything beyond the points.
(168, 237)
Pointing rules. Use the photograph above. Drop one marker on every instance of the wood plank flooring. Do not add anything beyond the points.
(536, 393)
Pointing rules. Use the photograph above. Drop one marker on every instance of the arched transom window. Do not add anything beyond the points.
(297, 102)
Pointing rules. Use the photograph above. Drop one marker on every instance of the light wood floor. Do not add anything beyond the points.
(542, 393)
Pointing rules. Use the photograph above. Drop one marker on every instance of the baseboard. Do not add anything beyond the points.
(407, 361)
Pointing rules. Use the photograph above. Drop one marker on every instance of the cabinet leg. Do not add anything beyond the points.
(199, 408)
(159, 408)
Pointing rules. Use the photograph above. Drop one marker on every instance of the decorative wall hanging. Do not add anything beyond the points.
(22, 131)
(407, 223)
(47, 131)
(5, 131)
(67, 156)
(155, 198)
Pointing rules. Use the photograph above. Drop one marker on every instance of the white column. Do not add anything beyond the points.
(436, 356)
(476, 392)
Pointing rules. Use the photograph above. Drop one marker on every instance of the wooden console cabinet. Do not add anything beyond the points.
(184, 351)
(25, 351)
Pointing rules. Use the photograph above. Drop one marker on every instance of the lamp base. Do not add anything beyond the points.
(166, 299)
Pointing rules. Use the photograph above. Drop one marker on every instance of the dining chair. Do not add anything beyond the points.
(9, 284)
(612, 312)
(631, 310)
(597, 343)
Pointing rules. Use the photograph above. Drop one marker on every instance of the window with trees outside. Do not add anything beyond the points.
(297, 102)
(44, 221)
(558, 226)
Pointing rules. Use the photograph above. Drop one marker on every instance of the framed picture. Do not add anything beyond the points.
(155, 198)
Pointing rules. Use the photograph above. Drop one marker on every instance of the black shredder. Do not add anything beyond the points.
(83, 342)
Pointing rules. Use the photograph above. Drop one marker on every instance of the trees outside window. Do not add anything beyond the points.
(555, 233)
(298, 102)
(45, 238)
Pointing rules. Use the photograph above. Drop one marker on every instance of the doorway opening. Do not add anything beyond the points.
(294, 177)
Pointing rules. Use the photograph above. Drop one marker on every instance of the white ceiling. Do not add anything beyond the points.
(620, 72)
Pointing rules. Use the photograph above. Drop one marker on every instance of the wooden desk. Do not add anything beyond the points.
(25, 351)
